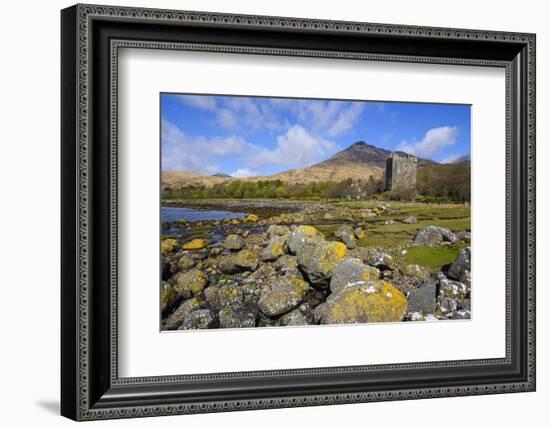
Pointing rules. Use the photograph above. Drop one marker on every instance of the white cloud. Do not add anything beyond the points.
(434, 141)
(451, 158)
(226, 119)
(346, 119)
(321, 118)
(296, 148)
(220, 146)
(182, 153)
(249, 114)
(244, 173)
(325, 118)
(200, 101)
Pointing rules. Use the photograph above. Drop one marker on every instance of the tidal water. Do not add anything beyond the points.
(171, 214)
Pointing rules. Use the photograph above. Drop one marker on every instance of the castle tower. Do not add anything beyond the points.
(400, 172)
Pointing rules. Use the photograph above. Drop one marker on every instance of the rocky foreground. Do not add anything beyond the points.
(273, 272)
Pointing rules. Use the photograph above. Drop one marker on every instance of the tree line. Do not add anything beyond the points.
(441, 182)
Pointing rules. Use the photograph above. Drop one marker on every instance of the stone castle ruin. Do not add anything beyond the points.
(401, 172)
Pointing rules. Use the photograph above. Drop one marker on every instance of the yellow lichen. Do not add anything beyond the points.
(339, 250)
(370, 273)
(376, 302)
(168, 245)
(276, 250)
(308, 230)
(167, 296)
(246, 258)
(195, 244)
(191, 282)
(360, 234)
(251, 218)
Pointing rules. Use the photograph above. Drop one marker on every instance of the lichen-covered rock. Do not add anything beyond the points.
(460, 268)
(345, 234)
(414, 271)
(383, 261)
(446, 305)
(286, 263)
(198, 320)
(188, 306)
(453, 289)
(167, 296)
(185, 262)
(280, 230)
(195, 244)
(190, 283)
(318, 260)
(352, 271)
(168, 245)
(359, 233)
(464, 236)
(226, 295)
(233, 242)
(276, 247)
(283, 296)
(377, 301)
(244, 260)
(410, 220)
(251, 218)
(433, 235)
(237, 317)
(460, 314)
(293, 318)
(422, 299)
(301, 235)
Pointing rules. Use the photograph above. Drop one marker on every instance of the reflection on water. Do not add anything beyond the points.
(171, 214)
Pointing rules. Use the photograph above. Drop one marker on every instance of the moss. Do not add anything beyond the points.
(195, 229)
(432, 258)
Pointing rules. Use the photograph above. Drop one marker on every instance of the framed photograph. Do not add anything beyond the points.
(263, 212)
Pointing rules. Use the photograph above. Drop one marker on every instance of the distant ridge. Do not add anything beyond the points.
(358, 161)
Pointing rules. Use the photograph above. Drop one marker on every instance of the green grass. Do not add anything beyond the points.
(386, 236)
(200, 235)
(432, 257)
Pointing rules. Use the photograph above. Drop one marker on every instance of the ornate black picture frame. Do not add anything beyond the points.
(91, 37)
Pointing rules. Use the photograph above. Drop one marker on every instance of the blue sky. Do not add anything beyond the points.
(251, 136)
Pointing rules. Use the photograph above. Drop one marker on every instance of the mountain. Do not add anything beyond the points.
(462, 159)
(176, 180)
(222, 175)
(358, 161)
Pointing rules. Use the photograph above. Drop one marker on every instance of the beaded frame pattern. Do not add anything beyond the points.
(86, 12)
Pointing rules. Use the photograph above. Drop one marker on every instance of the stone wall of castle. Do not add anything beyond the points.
(401, 172)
